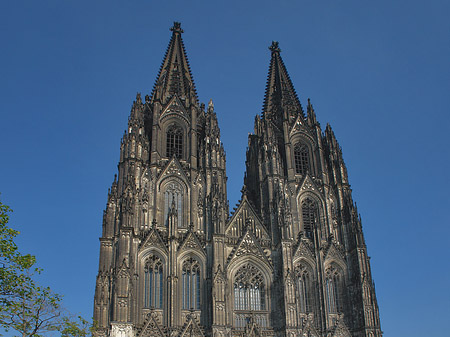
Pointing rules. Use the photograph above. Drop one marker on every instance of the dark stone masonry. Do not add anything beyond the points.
(291, 260)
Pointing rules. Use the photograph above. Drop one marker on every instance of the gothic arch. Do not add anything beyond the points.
(173, 188)
(170, 122)
(329, 262)
(305, 278)
(334, 286)
(302, 197)
(154, 250)
(252, 281)
(301, 138)
(151, 294)
(192, 275)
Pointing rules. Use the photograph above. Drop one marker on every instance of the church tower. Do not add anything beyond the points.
(289, 261)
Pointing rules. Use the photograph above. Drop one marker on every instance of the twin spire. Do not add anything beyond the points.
(175, 78)
(280, 100)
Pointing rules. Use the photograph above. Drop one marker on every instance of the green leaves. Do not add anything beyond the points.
(26, 307)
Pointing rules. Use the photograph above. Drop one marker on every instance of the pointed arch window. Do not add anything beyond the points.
(174, 143)
(309, 216)
(301, 158)
(304, 288)
(153, 279)
(249, 289)
(173, 197)
(333, 287)
(191, 284)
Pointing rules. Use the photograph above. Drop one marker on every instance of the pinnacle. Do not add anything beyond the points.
(280, 93)
(274, 48)
(176, 28)
(175, 76)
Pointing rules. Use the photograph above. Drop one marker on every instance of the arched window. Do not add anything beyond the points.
(153, 279)
(304, 288)
(309, 215)
(174, 144)
(333, 289)
(173, 197)
(249, 289)
(301, 158)
(191, 284)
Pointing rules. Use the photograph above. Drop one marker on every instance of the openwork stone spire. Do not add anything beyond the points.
(280, 94)
(175, 76)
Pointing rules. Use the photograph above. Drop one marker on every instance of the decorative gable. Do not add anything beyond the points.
(153, 239)
(175, 106)
(191, 241)
(245, 216)
(304, 249)
(191, 328)
(151, 327)
(308, 328)
(340, 330)
(297, 126)
(333, 252)
(308, 184)
(248, 245)
(173, 168)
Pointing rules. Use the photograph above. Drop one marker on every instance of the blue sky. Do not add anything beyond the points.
(377, 71)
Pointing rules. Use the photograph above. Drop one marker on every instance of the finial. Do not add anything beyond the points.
(274, 48)
(244, 190)
(211, 104)
(176, 28)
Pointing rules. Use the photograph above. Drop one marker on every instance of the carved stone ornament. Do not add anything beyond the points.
(121, 330)
(248, 246)
(151, 327)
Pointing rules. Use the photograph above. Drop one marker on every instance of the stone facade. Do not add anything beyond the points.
(290, 260)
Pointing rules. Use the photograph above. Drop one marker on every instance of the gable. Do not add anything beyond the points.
(191, 241)
(173, 169)
(334, 253)
(308, 184)
(174, 107)
(153, 239)
(151, 327)
(191, 328)
(243, 217)
(248, 245)
(304, 249)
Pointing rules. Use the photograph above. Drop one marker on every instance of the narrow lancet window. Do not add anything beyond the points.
(304, 288)
(173, 197)
(309, 215)
(153, 279)
(333, 287)
(190, 281)
(174, 144)
(301, 158)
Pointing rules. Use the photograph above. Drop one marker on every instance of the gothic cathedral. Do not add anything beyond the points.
(290, 260)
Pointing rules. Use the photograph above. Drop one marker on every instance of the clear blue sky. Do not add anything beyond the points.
(377, 71)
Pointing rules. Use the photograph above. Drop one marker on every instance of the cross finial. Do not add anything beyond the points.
(274, 47)
(177, 28)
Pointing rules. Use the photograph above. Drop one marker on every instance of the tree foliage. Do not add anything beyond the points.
(26, 307)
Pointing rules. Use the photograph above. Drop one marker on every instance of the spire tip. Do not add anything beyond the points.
(176, 28)
(274, 48)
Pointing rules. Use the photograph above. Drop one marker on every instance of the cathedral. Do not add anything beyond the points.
(289, 260)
